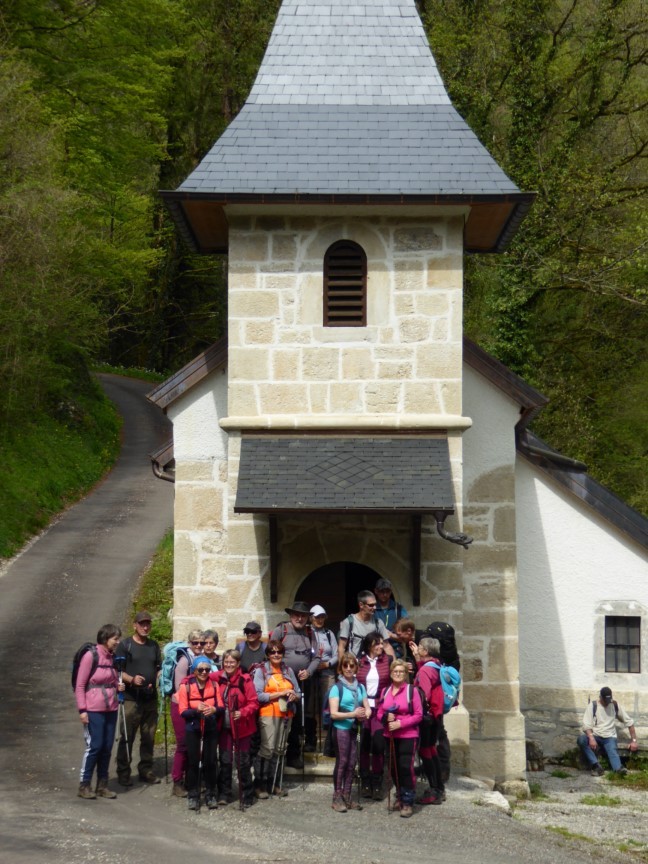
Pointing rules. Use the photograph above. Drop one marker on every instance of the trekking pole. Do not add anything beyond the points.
(200, 762)
(238, 754)
(303, 739)
(278, 749)
(122, 715)
(283, 751)
(166, 742)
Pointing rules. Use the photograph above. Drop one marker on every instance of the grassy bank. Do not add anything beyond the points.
(50, 461)
(155, 592)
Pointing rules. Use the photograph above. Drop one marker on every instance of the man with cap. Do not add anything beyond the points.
(599, 731)
(387, 609)
(302, 657)
(139, 659)
(324, 677)
(251, 649)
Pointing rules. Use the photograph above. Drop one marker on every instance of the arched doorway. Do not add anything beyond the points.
(335, 587)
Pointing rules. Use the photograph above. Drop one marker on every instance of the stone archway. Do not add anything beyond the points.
(335, 587)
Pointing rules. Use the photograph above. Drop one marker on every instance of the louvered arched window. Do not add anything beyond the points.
(345, 285)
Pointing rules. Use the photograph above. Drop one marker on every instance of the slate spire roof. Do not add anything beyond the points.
(349, 102)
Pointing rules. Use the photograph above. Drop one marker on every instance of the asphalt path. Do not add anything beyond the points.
(80, 574)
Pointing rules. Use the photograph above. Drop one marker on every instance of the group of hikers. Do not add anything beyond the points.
(373, 696)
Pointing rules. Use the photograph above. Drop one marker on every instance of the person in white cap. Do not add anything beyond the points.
(327, 652)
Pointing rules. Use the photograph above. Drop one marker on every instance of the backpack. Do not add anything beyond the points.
(445, 633)
(87, 646)
(450, 684)
(171, 653)
(616, 710)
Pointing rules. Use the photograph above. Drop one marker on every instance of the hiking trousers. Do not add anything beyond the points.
(180, 756)
(99, 734)
(141, 715)
(402, 752)
(372, 748)
(346, 754)
(229, 756)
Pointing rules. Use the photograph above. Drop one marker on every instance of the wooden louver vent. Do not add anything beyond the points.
(345, 285)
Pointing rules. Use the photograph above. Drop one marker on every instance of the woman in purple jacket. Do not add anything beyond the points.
(401, 711)
(95, 691)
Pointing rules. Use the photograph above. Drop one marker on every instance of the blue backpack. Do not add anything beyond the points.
(171, 653)
(450, 684)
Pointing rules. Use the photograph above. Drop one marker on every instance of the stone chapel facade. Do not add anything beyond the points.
(315, 456)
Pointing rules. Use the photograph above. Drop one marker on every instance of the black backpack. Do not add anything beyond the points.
(445, 633)
(87, 646)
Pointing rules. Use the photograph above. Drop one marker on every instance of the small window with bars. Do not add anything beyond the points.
(345, 285)
(622, 643)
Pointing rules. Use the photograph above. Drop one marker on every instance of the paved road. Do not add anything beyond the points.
(79, 575)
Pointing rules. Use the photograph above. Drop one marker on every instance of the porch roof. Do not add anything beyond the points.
(337, 474)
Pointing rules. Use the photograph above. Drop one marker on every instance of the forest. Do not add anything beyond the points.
(105, 102)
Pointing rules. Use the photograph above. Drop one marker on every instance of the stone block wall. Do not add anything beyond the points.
(554, 716)
(284, 362)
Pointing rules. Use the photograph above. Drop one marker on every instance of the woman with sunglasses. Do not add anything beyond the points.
(348, 704)
(401, 711)
(373, 672)
(195, 643)
(239, 725)
(278, 691)
(200, 705)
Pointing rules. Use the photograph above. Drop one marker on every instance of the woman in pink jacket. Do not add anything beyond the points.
(401, 711)
(95, 690)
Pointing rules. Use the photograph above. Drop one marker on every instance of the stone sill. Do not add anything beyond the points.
(413, 422)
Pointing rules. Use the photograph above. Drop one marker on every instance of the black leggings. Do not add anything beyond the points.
(209, 773)
(400, 755)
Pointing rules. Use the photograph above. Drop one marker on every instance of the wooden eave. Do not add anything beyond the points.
(490, 226)
(177, 385)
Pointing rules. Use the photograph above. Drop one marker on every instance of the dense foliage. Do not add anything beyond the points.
(103, 102)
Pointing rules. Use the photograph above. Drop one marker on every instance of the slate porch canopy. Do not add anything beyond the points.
(337, 474)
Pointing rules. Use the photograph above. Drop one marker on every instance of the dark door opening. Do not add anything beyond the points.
(335, 587)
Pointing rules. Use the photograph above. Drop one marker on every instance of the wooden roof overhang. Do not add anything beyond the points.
(490, 225)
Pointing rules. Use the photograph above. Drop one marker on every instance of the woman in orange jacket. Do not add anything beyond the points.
(201, 706)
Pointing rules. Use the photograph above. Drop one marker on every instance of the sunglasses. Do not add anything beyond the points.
(202, 644)
(250, 632)
(371, 605)
(280, 653)
(203, 670)
(349, 666)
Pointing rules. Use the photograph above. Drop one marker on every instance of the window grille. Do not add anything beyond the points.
(622, 643)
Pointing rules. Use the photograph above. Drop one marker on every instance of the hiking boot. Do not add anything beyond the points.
(338, 805)
(429, 797)
(85, 791)
(179, 790)
(103, 791)
(261, 793)
(309, 748)
(192, 804)
(295, 761)
(377, 788)
(405, 811)
(149, 777)
(442, 795)
(211, 802)
(597, 771)
(279, 792)
(394, 805)
(352, 805)
(223, 800)
(366, 788)
(621, 772)
(124, 780)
